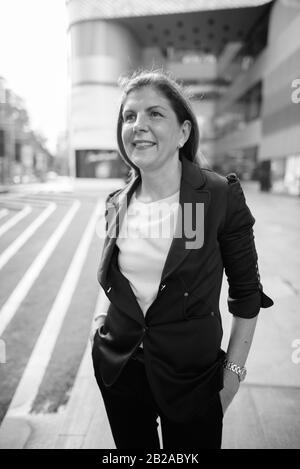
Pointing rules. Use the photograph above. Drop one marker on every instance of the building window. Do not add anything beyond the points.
(99, 164)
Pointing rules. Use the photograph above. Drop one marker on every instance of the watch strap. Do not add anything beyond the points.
(240, 371)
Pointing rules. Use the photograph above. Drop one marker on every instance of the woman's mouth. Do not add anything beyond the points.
(143, 144)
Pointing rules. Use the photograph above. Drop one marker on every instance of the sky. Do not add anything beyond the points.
(33, 60)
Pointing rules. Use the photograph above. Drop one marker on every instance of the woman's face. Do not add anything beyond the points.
(151, 132)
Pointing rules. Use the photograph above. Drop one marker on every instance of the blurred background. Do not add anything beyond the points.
(60, 62)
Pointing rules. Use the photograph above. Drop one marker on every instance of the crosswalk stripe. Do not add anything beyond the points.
(17, 296)
(39, 359)
(30, 230)
(14, 220)
(19, 200)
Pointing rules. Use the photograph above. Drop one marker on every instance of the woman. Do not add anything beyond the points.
(157, 350)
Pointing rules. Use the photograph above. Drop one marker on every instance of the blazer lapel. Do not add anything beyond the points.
(191, 194)
(116, 211)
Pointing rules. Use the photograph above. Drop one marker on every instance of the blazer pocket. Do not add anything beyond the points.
(195, 308)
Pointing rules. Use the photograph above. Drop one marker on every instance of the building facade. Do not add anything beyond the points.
(239, 58)
(23, 156)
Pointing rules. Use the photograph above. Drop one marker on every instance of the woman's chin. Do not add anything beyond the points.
(141, 161)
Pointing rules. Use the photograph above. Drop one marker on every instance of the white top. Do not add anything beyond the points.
(144, 241)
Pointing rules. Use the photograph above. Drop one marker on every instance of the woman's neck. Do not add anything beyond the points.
(159, 185)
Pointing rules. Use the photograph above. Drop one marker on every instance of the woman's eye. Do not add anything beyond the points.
(155, 114)
(128, 118)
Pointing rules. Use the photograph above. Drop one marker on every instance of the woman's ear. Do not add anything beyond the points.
(186, 130)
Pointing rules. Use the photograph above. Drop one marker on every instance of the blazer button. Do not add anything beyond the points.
(212, 313)
(186, 293)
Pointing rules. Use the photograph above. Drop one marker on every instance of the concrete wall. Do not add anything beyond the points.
(280, 116)
(100, 53)
(249, 136)
(245, 80)
(277, 134)
(194, 71)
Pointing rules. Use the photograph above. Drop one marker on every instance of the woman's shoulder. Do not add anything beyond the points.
(215, 179)
(227, 186)
(214, 173)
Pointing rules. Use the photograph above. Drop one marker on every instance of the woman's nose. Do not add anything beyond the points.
(140, 124)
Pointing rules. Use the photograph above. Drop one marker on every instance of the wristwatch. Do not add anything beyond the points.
(240, 371)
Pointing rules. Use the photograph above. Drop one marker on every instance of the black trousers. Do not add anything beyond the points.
(132, 414)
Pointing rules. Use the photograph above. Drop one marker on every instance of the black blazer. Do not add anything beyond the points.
(181, 331)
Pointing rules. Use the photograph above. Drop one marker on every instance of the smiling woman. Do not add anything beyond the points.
(157, 349)
(152, 136)
(165, 103)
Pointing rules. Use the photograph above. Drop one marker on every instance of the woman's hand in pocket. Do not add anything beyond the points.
(97, 323)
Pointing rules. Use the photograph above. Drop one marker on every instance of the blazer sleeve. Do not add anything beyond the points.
(245, 293)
